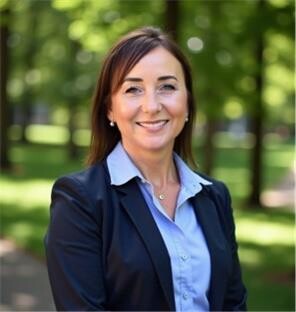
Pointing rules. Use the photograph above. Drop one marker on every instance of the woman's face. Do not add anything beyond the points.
(150, 107)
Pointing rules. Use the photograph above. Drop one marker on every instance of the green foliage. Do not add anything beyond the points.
(97, 24)
(223, 56)
(3, 4)
(72, 37)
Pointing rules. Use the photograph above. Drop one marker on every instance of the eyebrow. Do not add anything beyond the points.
(161, 78)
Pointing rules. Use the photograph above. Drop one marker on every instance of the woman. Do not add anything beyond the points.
(139, 230)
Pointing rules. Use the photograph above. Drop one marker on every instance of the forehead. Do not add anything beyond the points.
(157, 62)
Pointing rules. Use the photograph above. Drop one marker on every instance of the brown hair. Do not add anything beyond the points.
(123, 56)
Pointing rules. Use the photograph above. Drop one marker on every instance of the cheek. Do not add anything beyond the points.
(123, 109)
(179, 106)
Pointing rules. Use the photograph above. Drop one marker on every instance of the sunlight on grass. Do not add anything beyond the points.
(250, 256)
(47, 134)
(27, 194)
(52, 134)
(264, 232)
(280, 158)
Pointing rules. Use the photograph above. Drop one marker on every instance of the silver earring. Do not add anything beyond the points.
(186, 119)
(112, 124)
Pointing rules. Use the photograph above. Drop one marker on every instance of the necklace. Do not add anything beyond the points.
(161, 196)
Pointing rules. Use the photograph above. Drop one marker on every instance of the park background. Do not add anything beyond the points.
(242, 56)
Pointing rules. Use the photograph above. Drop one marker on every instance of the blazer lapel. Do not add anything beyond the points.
(207, 216)
(138, 211)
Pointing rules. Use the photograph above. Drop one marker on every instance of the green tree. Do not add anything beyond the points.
(266, 18)
(172, 18)
(32, 12)
(230, 53)
(4, 71)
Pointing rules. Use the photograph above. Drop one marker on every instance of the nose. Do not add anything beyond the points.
(150, 104)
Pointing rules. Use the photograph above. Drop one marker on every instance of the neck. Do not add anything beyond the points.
(157, 167)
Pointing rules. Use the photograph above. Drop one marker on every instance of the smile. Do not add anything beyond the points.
(153, 125)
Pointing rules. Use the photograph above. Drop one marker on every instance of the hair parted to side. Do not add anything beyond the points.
(122, 57)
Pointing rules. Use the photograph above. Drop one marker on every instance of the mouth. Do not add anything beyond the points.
(153, 125)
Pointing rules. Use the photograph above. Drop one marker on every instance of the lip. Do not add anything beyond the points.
(153, 125)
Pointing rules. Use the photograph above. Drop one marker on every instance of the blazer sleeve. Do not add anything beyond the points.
(236, 294)
(74, 249)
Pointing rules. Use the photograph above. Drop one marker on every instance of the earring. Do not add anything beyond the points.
(186, 119)
(112, 124)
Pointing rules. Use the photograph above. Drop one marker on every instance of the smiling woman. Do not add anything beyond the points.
(139, 230)
(150, 108)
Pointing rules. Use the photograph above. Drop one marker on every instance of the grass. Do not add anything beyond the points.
(266, 251)
(266, 237)
(25, 193)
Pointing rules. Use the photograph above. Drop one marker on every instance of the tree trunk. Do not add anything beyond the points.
(211, 93)
(4, 111)
(172, 18)
(29, 55)
(257, 122)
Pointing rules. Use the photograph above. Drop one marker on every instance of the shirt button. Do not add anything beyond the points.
(185, 296)
(184, 257)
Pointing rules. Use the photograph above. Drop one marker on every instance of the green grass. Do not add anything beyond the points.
(266, 237)
(25, 192)
(266, 248)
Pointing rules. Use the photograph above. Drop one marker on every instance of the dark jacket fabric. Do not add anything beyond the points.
(105, 252)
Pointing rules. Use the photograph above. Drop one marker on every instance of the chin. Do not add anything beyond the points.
(154, 146)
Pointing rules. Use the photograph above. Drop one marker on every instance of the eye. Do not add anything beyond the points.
(167, 87)
(133, 90)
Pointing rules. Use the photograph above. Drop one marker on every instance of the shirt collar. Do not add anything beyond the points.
(190, 180)
(122, 169)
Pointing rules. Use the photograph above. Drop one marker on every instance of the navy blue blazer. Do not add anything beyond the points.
(105, 252)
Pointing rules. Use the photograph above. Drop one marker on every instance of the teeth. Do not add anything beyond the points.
(152, 124)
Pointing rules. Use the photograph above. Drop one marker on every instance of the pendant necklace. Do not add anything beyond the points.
(161, 196)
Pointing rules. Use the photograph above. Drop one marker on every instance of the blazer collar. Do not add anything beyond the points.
(138, 211)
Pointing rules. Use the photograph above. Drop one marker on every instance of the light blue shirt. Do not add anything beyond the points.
(183, 237)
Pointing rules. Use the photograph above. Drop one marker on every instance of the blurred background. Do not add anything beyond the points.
(242, 57)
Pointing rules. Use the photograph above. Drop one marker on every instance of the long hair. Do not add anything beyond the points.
(122, 57)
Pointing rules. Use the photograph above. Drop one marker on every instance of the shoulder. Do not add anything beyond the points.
(79, 195)
(219, 195)
(90, 182)
(92, 175)
(88, 175)
(216, 188)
